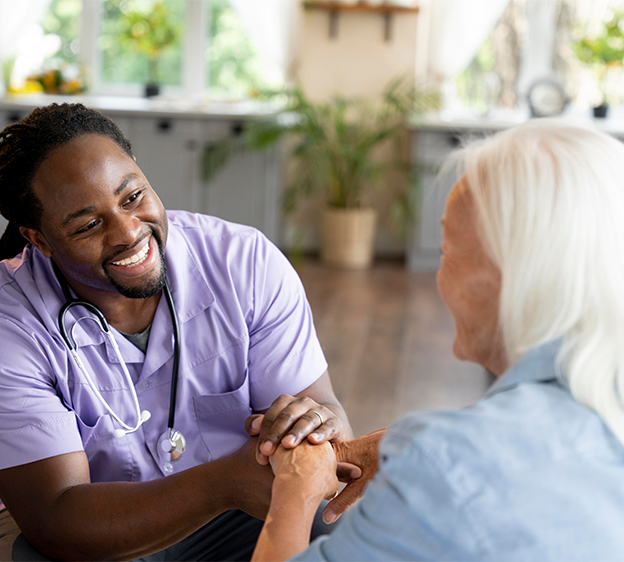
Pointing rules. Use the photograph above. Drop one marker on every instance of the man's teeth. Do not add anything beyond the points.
(136, 259)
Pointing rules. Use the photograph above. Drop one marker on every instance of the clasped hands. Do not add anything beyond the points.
(307, 441)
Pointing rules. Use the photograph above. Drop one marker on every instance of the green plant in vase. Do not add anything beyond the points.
(334, 146)
(603, 52)
(150, 30)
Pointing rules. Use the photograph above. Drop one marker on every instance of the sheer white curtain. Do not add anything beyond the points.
(538, 50)
(451, 33)
(16, 16)
(457, 29)
(272, 28)
(592, 12)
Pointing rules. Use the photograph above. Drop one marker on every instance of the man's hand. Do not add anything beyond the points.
(251, 488)
(291, 420)
(363, 453)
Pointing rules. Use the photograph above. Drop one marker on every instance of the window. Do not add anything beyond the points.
(141, 41)
(189, 47)
(491, 78)
(234, 67)
(494, 78)
(61, 25)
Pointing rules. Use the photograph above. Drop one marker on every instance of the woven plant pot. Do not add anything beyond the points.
(347, 237)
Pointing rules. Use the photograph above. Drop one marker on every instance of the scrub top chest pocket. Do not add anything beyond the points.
(221, 419)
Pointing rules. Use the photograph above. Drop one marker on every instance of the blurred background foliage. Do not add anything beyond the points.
(235, 70)
(132, 31)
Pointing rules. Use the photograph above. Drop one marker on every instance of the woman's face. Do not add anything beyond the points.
(469, 283)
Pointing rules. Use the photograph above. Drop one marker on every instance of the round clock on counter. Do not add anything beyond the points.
(546, 98)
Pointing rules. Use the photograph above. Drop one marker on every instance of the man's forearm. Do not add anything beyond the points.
(127, 520)
(67, 517)
(339, 411)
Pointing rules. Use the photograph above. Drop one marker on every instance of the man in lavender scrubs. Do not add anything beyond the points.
(75, 197)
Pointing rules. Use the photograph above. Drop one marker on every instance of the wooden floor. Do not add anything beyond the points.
(388, 340)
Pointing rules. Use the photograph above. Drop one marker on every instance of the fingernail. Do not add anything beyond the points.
(315, 436)
(266, 448)
(255, 424)
(263, 459)
(289, 440)
(329, 516)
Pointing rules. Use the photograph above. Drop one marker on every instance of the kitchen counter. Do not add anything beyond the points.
(503, 118)
(149, 107)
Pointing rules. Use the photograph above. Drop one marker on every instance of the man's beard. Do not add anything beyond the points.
(152, 286)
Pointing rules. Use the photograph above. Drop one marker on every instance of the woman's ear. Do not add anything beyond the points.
(36, 239)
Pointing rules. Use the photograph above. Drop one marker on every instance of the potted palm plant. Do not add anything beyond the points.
(333, 151)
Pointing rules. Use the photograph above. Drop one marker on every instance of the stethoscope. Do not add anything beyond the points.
(171, 444)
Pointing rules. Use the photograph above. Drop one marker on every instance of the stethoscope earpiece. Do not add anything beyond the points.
(119, 433)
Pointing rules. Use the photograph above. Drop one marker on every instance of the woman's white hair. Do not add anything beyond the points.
(550, 201)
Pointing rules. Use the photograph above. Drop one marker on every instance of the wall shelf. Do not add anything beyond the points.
(335, 9)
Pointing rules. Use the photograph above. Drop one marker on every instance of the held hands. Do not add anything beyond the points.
(312, 466)
(316, 468)
(289, 421)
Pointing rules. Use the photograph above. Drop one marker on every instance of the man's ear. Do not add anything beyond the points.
(36, 239)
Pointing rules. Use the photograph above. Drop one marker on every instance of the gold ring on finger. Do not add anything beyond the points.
(319, 416)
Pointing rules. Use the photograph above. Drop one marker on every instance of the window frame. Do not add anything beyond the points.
(193, 84)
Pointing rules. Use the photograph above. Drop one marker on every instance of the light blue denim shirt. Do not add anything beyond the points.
(527, 473)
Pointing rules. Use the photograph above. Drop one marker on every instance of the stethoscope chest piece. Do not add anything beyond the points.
(171, 447)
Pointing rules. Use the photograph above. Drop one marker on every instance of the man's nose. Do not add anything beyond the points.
(123, 229)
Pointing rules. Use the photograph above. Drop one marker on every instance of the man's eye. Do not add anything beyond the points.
(133, 197)
(88, 227)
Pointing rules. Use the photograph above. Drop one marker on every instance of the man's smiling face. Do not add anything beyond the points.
(102, 223)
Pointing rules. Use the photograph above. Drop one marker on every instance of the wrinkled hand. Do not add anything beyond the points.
(363, 453)
(313, 465)
(289, 421)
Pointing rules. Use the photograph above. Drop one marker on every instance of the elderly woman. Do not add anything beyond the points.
(533, 273)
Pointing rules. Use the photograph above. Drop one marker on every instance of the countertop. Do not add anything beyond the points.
(152, 107)
(503, 118)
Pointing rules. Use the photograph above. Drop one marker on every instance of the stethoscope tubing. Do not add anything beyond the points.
(176, 357)
(70, 342)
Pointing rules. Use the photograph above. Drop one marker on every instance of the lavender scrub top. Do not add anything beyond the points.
(246, 336)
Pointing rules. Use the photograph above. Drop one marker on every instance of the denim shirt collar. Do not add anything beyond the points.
(536, 365)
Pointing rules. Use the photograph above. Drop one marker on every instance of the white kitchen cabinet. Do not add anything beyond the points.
(7, 117)
(170, 153)
(167, 151)
(169, 146)
(430, 149)
(248, 192)
(433, 141)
